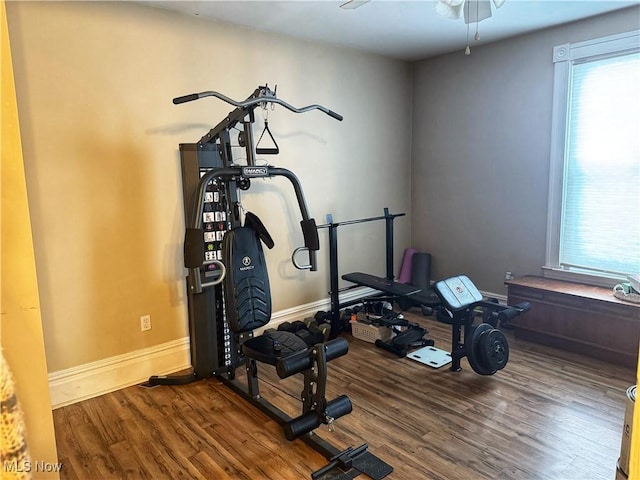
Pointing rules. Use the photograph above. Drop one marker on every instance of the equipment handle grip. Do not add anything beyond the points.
(300, 266)
(310, 234)
(267, 151)
(186, 98)
(335, 115)
(264, 98)
(193, 247)
(196, 283)
(220, 278)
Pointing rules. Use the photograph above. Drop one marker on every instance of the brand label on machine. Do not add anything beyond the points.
(255, 171)
(246, 261)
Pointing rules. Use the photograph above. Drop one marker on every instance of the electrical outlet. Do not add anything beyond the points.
(145, 323)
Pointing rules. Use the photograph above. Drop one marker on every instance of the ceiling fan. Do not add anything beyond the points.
(473, 11)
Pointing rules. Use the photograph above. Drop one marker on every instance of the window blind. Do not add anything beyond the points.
(600, 226)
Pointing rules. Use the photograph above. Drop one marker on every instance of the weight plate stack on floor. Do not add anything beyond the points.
(487, 349)
(473, 355)
(493, 349)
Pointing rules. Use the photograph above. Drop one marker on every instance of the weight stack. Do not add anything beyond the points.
(622, 471)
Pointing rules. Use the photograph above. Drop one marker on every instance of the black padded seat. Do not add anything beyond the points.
(427, 297)
(416, 295)
(273, 345)
(382, 284)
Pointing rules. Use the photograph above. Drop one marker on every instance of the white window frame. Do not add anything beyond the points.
(564, 57)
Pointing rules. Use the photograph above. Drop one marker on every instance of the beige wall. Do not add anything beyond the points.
(95, 81)
(20, 324)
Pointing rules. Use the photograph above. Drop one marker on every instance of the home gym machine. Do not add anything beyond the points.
(228, 286)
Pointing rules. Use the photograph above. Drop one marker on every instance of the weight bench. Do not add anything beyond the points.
(415, 295)
(484, 345)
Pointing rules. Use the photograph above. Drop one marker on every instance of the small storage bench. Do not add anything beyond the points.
(579, 318)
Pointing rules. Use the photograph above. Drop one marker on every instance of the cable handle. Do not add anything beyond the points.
(313, 262)
(267, 97)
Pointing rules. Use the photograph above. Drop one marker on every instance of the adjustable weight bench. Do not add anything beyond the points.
(408, 294)
(418, 296)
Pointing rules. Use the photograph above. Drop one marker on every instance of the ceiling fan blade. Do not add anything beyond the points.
(450, 8)
(352, 4)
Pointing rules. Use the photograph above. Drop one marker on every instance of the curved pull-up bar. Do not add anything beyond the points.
(266, 96)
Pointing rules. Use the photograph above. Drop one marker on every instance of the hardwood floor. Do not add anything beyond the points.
(548, 415)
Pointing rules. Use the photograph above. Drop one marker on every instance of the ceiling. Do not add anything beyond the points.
(406, 30)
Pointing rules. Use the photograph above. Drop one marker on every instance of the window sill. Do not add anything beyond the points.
(581, 277)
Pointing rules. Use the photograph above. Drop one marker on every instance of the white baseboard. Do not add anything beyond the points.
(103, 376)
(502, 299)
(97, 378)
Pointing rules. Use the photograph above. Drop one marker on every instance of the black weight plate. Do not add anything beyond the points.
(470, 343)
(493, 349)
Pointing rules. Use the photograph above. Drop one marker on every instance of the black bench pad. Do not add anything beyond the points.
(421, 297)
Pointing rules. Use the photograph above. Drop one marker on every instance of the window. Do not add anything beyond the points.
(593, 229)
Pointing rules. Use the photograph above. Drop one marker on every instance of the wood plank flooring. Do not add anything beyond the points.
(548, 415)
